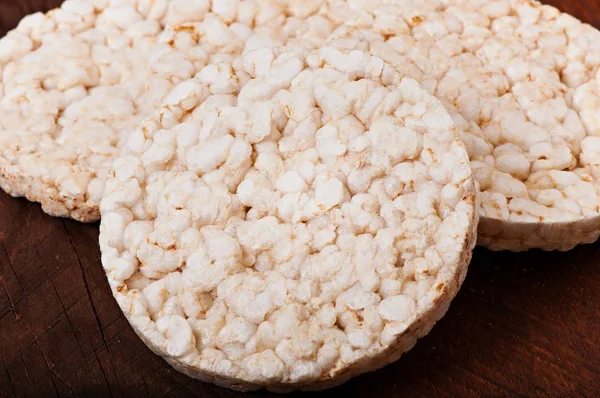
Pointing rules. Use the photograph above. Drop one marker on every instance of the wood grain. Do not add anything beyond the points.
(523, 325)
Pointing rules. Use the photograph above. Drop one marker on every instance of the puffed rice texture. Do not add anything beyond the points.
(289, 221)
(77, 80)
(521, 82)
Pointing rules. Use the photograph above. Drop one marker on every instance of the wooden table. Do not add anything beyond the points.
(523, 325)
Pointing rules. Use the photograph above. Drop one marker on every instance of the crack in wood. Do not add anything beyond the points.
(52, 377)
(24, 364)
(64, 309)
(103, 373)
(145, 384)
(10, 264)
(89, 295)
(10, 303)
(10, 382)
(49, 366)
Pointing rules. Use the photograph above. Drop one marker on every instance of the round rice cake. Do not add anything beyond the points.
(521, 82)
(289, 224)
(77, 80)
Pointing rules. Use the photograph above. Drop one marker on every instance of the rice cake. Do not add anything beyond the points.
(77, 80)
(520, 80)
(289, 221)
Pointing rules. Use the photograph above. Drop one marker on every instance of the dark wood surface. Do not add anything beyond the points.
(523, 325)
